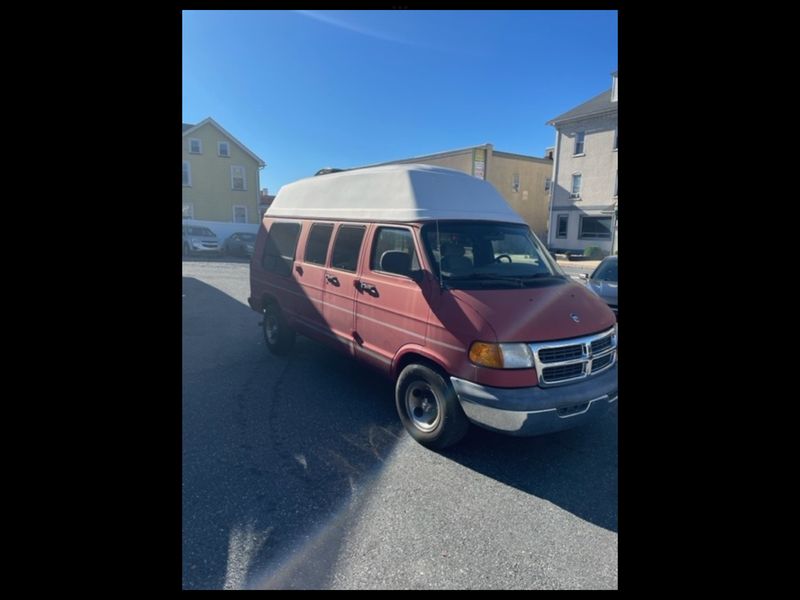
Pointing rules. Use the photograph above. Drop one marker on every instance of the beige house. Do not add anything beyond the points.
(220, 176)
(524, 181)
(584, 198)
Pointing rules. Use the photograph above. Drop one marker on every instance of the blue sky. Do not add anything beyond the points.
(310, 89)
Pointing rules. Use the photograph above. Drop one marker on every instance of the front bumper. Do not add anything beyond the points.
(537, 410)
(205, 250)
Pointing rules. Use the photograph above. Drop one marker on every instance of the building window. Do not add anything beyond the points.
(576, 186)
(195, 146)
(223, 149)
(579, 142)
(515, 182)
(317, 244)
(188, 210)
(238, 181)
(595, 228)
(279, 247)
(561, 230)
(187, 174)
(547, 182)
(240, 214)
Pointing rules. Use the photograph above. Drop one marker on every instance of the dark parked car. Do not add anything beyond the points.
(605, 281)
(199, 240)
(240, 244)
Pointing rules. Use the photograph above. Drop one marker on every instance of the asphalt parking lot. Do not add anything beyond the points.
(298, 474)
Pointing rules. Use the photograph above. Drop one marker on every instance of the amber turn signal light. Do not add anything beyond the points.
(486, 355)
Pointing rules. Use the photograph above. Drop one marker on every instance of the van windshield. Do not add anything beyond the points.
(483, 254)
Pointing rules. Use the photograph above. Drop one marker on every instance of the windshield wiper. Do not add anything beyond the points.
(489, 277)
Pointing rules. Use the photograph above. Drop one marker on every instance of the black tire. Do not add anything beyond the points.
(278, 336)
(420, 385)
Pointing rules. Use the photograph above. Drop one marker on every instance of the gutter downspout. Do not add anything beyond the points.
(258, 191)
(556, 154)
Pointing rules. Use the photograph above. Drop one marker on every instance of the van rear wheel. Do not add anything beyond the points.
(429, 408)
(278, 336)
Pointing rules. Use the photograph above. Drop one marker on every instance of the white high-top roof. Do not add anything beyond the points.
(399, 193)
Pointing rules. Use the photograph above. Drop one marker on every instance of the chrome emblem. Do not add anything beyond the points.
(574, 317)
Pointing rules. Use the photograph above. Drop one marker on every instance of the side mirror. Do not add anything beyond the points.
(584, 276)
(418, 276)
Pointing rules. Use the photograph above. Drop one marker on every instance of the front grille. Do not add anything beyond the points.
(602, 344)
(566, 361)
(556, 374)
(551, 355)
(603, 361)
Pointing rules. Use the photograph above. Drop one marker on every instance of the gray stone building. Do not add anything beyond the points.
(583, 201)
(524, 181)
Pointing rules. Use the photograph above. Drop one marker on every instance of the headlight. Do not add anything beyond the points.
(501, 356)
(197, 244)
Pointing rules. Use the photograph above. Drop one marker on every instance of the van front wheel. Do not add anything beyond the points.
(429, 408)
(278, 336)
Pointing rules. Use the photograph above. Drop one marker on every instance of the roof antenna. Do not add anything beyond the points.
(439, 244)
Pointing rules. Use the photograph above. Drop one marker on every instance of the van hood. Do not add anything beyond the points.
(541, 313)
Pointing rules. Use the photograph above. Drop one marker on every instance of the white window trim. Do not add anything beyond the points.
(599, 239)
(188, 166)
(219, 149)
(575, 147)
(246, 215)
(200, 143)
(559, 218)
(244, 178)
(572, 185)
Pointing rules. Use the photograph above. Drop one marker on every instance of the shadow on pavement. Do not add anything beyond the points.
(574, 469)
(273, 448)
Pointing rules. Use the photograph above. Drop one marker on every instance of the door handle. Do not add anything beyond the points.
(369, 288)
(332, 279)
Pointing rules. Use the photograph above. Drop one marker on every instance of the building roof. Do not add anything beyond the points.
(599, 104)
(394, 193)
(186, 126)
(209, 120)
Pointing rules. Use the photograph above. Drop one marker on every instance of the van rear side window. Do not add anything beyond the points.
(279, 248)
(317, 244)
(347, 247)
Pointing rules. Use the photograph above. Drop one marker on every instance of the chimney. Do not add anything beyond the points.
(614, 86)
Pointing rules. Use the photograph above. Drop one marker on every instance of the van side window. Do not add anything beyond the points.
(279, 248)
(393, 251)
(347, 247)
(317, 244)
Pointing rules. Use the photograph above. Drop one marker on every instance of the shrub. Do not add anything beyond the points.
(594, 253)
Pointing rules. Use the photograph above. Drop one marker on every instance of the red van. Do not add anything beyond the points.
(428, 275)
